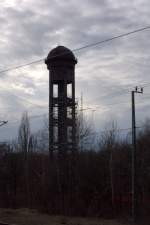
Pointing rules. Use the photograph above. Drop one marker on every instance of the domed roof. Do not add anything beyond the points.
(60, 53)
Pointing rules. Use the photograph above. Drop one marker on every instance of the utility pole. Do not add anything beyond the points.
(134, 153)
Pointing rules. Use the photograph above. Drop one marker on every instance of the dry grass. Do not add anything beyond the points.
(32, 217)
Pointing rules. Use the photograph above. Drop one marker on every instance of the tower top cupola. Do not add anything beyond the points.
(60, 53)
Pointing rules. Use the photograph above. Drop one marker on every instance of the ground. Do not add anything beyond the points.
(32, 217)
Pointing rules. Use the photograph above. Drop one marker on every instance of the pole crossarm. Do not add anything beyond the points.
(138, 90)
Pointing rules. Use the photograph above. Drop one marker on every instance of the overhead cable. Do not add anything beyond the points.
(80, 48)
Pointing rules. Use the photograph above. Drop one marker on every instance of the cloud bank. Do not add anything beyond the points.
(30, 29)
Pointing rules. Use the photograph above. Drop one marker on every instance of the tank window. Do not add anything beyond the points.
(69, 112)
(69, 90)
(55, 112)
(55, 90)
(55, 133)
(69, 134)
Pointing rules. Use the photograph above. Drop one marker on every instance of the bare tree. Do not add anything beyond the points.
(24, 140)
(24, 135)
(108, 141)
(42, 137)
(84, 131)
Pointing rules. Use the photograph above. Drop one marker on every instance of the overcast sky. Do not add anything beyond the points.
(31, 28)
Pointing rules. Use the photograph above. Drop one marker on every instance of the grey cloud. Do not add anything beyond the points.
(30, 29)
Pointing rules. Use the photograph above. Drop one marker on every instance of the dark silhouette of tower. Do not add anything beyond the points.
(61, 64)
(62, 129)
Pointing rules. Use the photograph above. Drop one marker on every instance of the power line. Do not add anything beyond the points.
(126, 91)
(30, 118)
(20, 66)
(114, 130)
(96, 107)
(79, 49)
(100, 107)
(84, 109)
(24, 99)
(113, 38)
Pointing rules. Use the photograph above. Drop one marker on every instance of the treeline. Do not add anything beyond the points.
(99, 183)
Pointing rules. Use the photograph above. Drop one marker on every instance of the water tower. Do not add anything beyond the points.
(62, 135)
(62, 122)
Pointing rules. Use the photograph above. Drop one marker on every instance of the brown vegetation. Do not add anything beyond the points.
(32, 217)
(28, 179)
